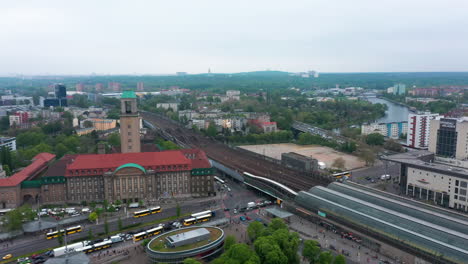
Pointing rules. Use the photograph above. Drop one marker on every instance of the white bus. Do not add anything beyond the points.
(202, 213)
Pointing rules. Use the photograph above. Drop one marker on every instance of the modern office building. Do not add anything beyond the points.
(140, 86)
(448, 138)
(419, 129)
(399, 89)
(129, 123)
(60, 99)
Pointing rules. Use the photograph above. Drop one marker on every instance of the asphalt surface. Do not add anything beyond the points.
(30, 244)
(375, 172)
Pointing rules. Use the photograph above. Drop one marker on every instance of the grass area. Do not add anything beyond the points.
(160, 245)
(12, 260)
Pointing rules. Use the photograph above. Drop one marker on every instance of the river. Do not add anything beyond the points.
(394, 113)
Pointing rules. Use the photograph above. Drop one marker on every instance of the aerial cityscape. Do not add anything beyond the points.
(259, 132)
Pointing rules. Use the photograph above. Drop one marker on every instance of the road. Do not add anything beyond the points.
(30, 244)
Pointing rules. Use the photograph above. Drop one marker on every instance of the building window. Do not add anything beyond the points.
(129, 126)
(463, 184)
(129, 133)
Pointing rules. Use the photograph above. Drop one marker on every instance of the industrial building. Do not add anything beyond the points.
(299, 162)
(432, 233)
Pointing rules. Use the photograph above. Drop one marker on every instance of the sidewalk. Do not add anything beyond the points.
(334, 242)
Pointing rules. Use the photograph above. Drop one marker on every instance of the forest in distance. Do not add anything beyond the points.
(248, 81)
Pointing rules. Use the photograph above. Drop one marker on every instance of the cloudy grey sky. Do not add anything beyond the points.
(118, 37)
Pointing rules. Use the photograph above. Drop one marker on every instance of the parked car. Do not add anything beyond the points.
(226, 209)
(248, 218)
(7, 256)
(242, 218)
(235, 211)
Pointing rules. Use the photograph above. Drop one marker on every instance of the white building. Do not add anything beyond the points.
(9, 143)
(418, 130)
(426, 177)
(15, 119)
(173, 106)
(390, 130)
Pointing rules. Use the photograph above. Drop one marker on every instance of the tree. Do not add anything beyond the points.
(106, 227)
(178, 210)
(60, 150)
(277, 224)
(92, 216)
(145, 242)
(229, 242)
(92, 205)
(339, 163)
(255, 229)
(114, 139)
(14, 219)
(311, 250)
(191, 261)
(117, 202)
(238, 253)
(88, 124)
(211, 131)
(60, 239)
(119, 223)
(7, 170)
(269, 251)
(375, 139)
(140, 203)
(340, 259)
(325, 257)
(393, 145)
(368, 156)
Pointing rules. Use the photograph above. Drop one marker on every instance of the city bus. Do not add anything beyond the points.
(148, 233)
(218, 179)
(342, 175)
(96, 247)
(69, 231)
(197, 219)
(211, 213)
(146, 212)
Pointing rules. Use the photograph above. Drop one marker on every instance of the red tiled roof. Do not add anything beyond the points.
(39, 162)
(268, 123)
(200, 160)
(112, 161)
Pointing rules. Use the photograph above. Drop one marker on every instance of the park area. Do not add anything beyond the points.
(321, 153)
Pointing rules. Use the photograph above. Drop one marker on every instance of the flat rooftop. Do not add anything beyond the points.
(415, 158)
(187, 236)
(159, 243)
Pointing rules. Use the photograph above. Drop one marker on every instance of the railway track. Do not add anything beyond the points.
(233, 158)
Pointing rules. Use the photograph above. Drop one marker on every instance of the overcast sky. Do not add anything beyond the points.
(155, 37)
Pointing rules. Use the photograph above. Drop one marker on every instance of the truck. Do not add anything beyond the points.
(116, 239)
(250, 205)
(70, 248)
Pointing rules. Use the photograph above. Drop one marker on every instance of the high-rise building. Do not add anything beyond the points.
(418, 129)
(60, 91)
(448, 138)
(399, 89)
(140, 86)
(114, 86)
(129, 123)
